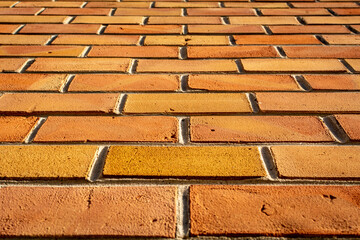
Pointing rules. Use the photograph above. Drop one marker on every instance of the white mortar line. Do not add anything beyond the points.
(98, 162)
(34, 130)
(120, 103)
(182, 212)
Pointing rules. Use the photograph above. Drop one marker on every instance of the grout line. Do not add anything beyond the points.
(26, 65)
(253, 102)
(101, 29)
(98, 163)
(302, 83)
(239, 66)
(280, 51)
(65, 86)
(321, 39)
(184, 136)
(52, 38)
(184, 78)
(335, 129)
(85, 52)
(221, 4)
(301, 20)
(258, 12)
(232, 40)
(348, 66)
(152, 5)
(68, 20)
(14, 4)
(268, 163)
(40, 11)
(183, 53)
(112, 12)
(331, 12)
(31, 135)
(18, 29)
(120, 103)
(132, 66)
(141, 40)
(290, 4)
(183, 12)
(84, 4)
(225, 20)
(144, 20)
(351, 29)
(183, 211)
(184, 29)
(267, 30)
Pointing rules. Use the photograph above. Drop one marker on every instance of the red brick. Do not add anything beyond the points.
(88, 211)
(187, 40)
(108, 19)
(15, 129)
(64, 51)
(50, 4)
(31, 19)
(253, 82)
(231, 52)
(143, 29)
(257, 129)
(309, 102)
(109, 129)
(354, 63)
(118, 4)
(342, 39)
(60, 28)
(309, 29)
(334, 82)
(184, 20)
(294, 12)
(225, 29)
(351, 125)
(117, 82)
(275, 210)
(24, 39)
(11, 64)
(325, 5)
(220, 12)
(134, 51)
(349, 11)
(96, 40)
(19, 11)
(147, 12)
(186, 4)
(7, 3)
(321, 52)
(274, 39)
(356, 27)
(332, 20)
(8, 28)
(264, 20)
(256, 5)
(79, 65)
(76, 11)
(329, 162)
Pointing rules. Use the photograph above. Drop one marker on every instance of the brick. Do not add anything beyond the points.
(31, 82)
(253, 82)
(334, 82)
(143, 29)
(184, 20)
(349, 11)
(50, 4)
(118, 5)
(329, 162)
(147, 12)
(275, 39)
(77, 11)
(342, 39)
(321, 52)
(225, 29)
(220, 12)
(46, 161)
(108, 19)
(293, 65)
(31, 19)
(294, 12)
(316, 210)
(19, 11)
(8, 28)
(309, 29)
(325, 5)
(88, 211)
(11, 64)
(24, 39)
(96, 40)
(332, 20)
(134, 51)
(356, 27)
(7, 3)
(79, 65)
(65, 51)
(26, 103)
(186, 40)
(189, 103)
(350, 123)
(257, 129)
(109, 129)
(204, 161)
(186, 66)
(15, 129)
(264, 20)
(256, 5)
(186, 4)
(355, 64)
(309, 102)
(231, 52)
(117, 82)
(60, 28)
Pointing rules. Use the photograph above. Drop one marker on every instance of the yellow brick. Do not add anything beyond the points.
(108, 20)
(32, 19)
(355, 63)
(264, 20)
(206, 161)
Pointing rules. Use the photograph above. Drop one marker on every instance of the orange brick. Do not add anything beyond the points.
(108, 129)
(50, 4)
(76, 11)
(143, 29)
(147, 12)
(332, 20)
(88, 211)
(96, 40)
(108, 19)
(79, 65)
(257, 129)
(26, 103)
(293, 65)
(275, 39)
(15, 129)
(7, 3)
(184, 20)
(19, 11)
(186, 66)
(264, 20)
(31, 19)
(355, 64)
(349, 11)
(253, 82)
(118, 4)
(351, 125)
(11, 64)
(8, 28)
(325, 5)
(31, 82)
(220, 12)
(186, 40)
(317, 161)
(117, 82)
(225, 29)
(309, 102)
(334, 82)
(24, 39)
(231, 52)
(317, 210)
(342, 39)
(256, 5)
(186, 4)
(356, 27)
(134, 51)
(294, 12)
(309, 29)
(65, 51)
(321, 52)
(60, 28)
(189, 103)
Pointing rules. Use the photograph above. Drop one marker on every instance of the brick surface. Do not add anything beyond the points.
(108, 129)
(118, 4)
(19, 11)
(95, 40)
(322, 52)
(8, 28)
(50, 4)
(256, 5)
(294, 12)
(88, 211)
(355, 64)
(324, 5)
(332, 20)
(237, 29)
(147, 12)
(342, 11)
(134, 51)
(41, 51)
(24, 39)
(231, 52)
(309, 29)
(31, 19)
(60, 28)
(76, 11)
(186, 4)
(309, 102)
(108, 20)
(264, 20)
(15, 129)
(184, 20)
(350, 123)
(143, 29)
(317, 161)
(274, 39)
(342, 39)
(189, 103)
(257, 129)
(31, 82)
(116, 82)
(7, 3)
(334, 82)
(187, 40)
(220, 12)
(274, 210)
(46, 161)
(11, 64)
(30, 103)
(183, 161)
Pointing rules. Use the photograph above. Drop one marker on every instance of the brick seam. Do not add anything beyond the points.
(31, 135)
(98, 162)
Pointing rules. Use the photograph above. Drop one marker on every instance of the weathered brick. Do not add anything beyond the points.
(26, 103)
(186, 4)
(108, 19)
(24, 39)
(205, 161)
(257, 129)
(88, 211)
(15, 129)
(332, 20)
(355, 64)
(225, 29)
(96, 40)
(264, 20)
(322, 52)
(60, 28)
(186, 66)
(317, 161)
(8, 28)
(334, 82)
(134, 51)
(109, 129)
(324, 5)
(46, 161)
(253, 82)
(118, 4)
(143, 29)
(275, 39)
(342, 39)
(349, 11)
(184, 20)
(147, 12)
(190, 103)
(309, 29)
(11, 64)
(351, 125)
(294, 12)
(274, 210)
(231, 52)
(65, 51)
(77, 11)
(309, 102)
(79, 65)
(117, 82)
(220, 12)
(31, 19)
(50, 4)
(19, 11)
(256, 5)
(186, 40)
